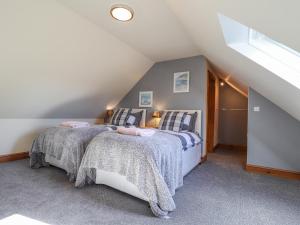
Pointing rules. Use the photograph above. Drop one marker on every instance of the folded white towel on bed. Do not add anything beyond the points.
(136, 131)
(75, 124)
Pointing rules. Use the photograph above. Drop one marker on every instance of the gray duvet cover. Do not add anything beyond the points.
(153, 164)
(58, 141)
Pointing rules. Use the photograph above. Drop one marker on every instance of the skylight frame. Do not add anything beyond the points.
(274, 49)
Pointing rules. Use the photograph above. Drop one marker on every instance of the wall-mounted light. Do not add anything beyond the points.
(109, 112)
(121, 12)
(222, 84)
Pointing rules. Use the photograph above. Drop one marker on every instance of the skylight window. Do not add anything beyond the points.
(272, 55)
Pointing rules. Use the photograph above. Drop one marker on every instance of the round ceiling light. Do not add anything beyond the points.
(121, 12)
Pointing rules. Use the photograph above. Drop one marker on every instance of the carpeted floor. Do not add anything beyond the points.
(218, 192)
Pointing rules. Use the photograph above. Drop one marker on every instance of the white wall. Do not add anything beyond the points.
(57, 64)
(17, 135)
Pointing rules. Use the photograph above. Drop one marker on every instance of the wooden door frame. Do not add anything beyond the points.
(210, 126)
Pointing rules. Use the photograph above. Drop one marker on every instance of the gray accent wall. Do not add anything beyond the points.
(233, 112)
(273, 135)
(159, 79)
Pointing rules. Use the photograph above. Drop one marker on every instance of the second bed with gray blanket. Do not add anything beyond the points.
(63, 147)
(153, 164)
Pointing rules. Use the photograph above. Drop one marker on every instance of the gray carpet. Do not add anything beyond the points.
(217, 192)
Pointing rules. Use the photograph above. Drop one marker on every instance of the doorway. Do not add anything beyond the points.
(226, 129)
(232, 125)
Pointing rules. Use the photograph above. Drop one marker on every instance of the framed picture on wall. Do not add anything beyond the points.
(181, 82)
(145, 98)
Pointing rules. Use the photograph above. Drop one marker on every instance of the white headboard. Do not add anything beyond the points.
(143, 120)
(198, 126)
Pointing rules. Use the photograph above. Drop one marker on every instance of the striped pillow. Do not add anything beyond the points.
(172, 120)
(120, 117)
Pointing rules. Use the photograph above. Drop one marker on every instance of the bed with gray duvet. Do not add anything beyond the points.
(150, 168)
(63, 147)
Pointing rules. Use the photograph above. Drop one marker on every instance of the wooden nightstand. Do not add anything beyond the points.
(152, 123)
(99, 121)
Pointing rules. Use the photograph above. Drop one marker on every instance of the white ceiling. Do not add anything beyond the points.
(154, 31)
(169, 29)
(57, 64)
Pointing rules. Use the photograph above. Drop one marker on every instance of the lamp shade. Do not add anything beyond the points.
(156, 114)
(109, 112)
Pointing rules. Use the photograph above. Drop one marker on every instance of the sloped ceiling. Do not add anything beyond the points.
(168, 29)
(154, 31)
(66, 58)
(274, 18)
(56, 64)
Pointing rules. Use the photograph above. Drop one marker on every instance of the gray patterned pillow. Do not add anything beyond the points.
(189, 122)
(120, 117)
(172, 120)
(134, 119)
